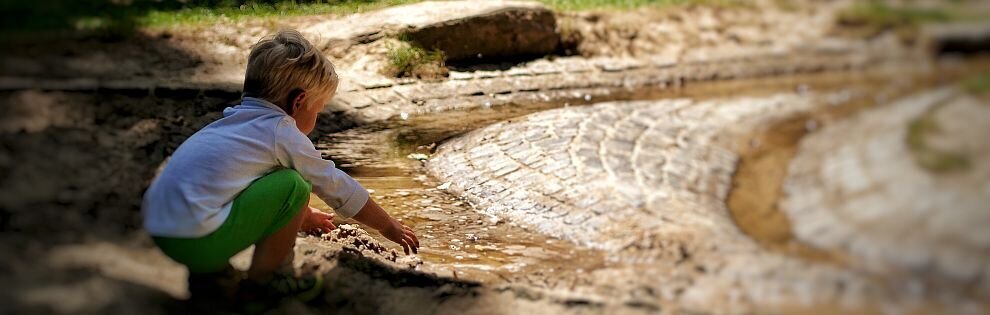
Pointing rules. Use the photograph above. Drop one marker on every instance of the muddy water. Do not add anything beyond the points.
(459, 241)
(463, 243)
(455, 240)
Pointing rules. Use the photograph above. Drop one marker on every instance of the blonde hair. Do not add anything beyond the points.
(282, 64)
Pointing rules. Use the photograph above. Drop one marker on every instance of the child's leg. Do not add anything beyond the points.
(270, 206)
(272, 251)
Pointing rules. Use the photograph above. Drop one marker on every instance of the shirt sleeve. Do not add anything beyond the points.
(336, 188)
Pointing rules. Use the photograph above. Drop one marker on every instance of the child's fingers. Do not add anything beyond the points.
(412, 244)
(410, 231)
(411, 235)
(405, 247)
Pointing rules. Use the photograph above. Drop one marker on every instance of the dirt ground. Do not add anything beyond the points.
(85, 122)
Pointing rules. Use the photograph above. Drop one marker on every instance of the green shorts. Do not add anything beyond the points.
(263, 208)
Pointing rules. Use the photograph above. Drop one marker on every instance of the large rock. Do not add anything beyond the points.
(462, 29)
(492, 29)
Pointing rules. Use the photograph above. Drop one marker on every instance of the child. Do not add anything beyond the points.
(246, 178)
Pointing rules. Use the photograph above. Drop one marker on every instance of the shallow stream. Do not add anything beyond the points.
(459, 241)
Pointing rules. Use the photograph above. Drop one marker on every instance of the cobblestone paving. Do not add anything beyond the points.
(647, 182)
(856, 186)
(601, 175)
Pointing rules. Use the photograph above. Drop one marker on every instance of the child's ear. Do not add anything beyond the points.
(297, 100)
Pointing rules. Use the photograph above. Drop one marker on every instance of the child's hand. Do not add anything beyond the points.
(402, 235)
(374, 216)
(318, 222)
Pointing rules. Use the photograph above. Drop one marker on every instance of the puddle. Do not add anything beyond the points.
(458, 241)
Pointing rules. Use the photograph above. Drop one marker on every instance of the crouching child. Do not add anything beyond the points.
(246, 179)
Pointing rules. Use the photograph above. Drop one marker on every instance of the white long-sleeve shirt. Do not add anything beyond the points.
(193, 195)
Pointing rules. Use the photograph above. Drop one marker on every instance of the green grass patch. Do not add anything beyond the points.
(880, 15)
(407, 60)
(210, 14)
(926, 156)
(978, 84)
(870, 18)
(585, 5)
(95, 15)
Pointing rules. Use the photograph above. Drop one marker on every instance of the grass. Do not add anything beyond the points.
(979, 84)
(926, 156)
(198, 15)
(876, 16)
(409, 60)
(96, 15)
(585, 5)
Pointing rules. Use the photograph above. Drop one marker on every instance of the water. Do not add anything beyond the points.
(458, 240)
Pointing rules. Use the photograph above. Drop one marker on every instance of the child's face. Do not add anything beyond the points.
(312, 103)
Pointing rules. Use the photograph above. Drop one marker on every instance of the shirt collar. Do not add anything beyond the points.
(254, 101)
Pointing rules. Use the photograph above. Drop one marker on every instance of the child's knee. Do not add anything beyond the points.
(292, 178)
(299, 188)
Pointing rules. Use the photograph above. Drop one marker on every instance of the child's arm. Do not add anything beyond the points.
(340, 191)
(374, 216)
